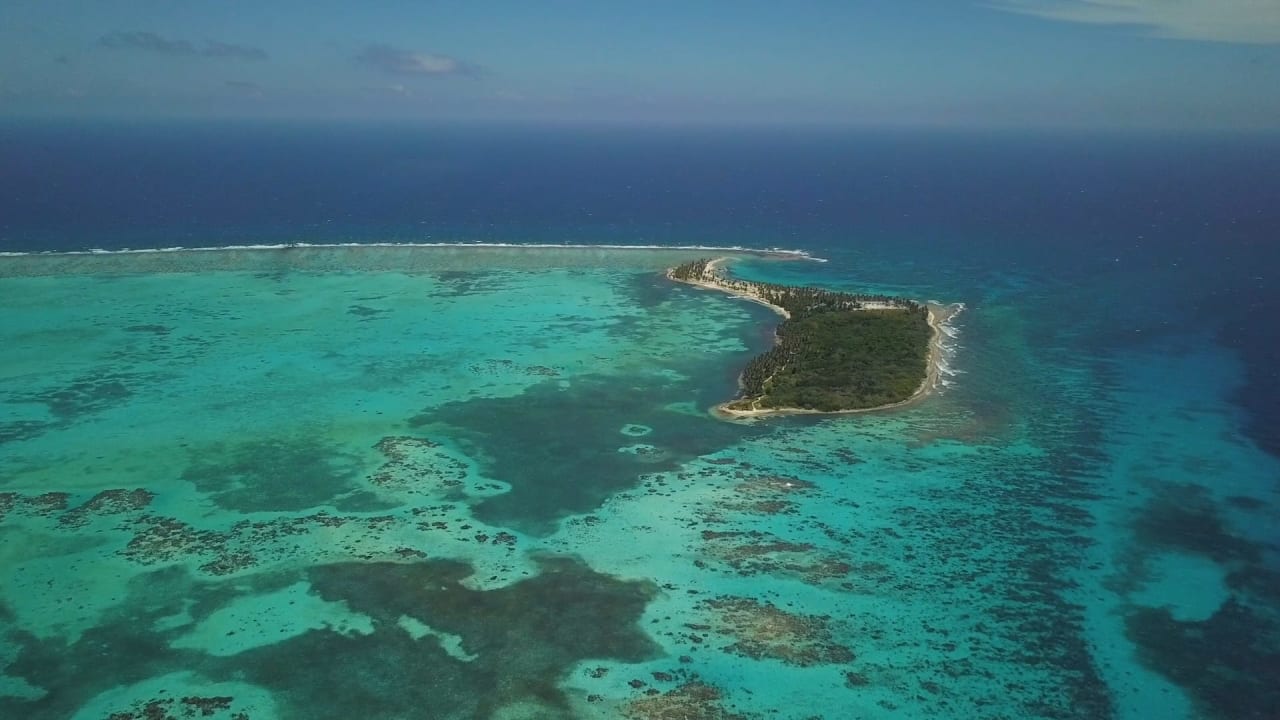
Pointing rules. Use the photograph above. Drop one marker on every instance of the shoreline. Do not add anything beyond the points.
(748, 295)
(939, 315)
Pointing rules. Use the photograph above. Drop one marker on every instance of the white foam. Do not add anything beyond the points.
(949, 348)
(946, 369)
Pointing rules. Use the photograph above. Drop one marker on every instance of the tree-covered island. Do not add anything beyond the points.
(834, 351)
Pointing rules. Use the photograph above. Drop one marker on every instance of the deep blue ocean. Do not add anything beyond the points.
(1122, 320)
(1185, 224)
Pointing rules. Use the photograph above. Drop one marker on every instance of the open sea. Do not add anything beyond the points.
(372, 473)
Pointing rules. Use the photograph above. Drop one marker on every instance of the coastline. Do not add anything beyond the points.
(939, 315)
(746, 294)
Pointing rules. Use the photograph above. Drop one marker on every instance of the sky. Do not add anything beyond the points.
(1176, 64)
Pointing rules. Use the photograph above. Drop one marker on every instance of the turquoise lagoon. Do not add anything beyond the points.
(467, 482)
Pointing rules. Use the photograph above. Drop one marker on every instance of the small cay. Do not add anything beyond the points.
(834, 352)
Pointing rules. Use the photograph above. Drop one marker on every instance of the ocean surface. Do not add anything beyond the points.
(403, 478)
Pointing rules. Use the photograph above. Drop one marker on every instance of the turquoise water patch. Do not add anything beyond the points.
(477, 484)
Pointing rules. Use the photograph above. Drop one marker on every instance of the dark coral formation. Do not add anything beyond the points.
(855, 679)
(417, 465)
(157, 539)
(230, 563)
(767, 495)
(691, 701)
(108, 502)
(160, 540)
(43, 505)
(247, 544)
(773, 486)
(763, 630)
(505, 366)
(191, 706)
(755, 552)
(165, 539)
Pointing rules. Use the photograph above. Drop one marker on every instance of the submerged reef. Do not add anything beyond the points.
(691, 701)
(1229, 662)
(289, 472)
(426, 645)
(762, 630)
(499, 494)
(561, 448)
(191, 706)
(755, 552)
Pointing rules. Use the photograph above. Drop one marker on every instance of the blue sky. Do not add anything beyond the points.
(950, 63)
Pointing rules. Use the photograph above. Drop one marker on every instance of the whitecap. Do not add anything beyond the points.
(789, 252)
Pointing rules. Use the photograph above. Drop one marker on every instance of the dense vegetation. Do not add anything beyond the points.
(840, 361)
(834, 352)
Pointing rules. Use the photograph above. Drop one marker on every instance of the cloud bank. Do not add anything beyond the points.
(395, 61)
(160, 45)
(1231, 21)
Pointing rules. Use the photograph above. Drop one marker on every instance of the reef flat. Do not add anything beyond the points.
(481, 482)
(834, 351)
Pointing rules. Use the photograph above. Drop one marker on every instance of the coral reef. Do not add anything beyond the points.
(762, 630)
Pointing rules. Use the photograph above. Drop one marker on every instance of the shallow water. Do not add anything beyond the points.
(476, 482)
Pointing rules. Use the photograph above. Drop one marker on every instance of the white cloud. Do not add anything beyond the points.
(1233, 21)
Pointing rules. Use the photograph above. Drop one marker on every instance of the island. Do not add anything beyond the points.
(834, 352)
